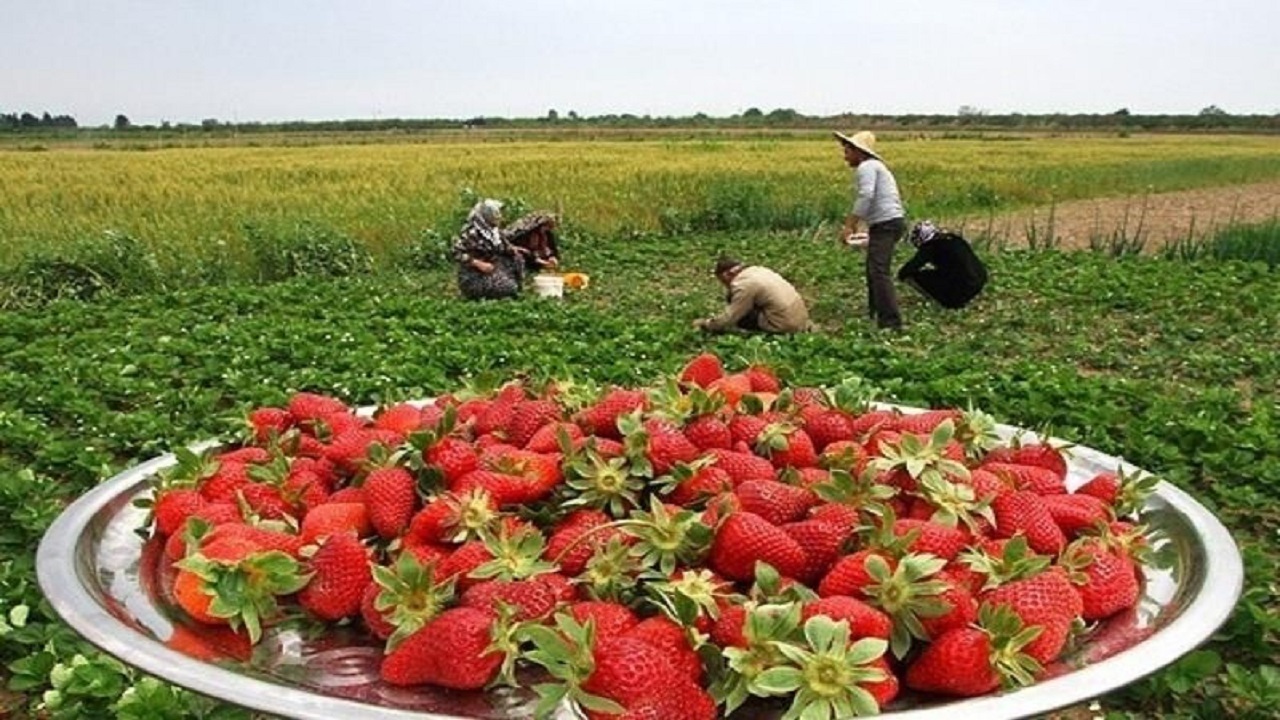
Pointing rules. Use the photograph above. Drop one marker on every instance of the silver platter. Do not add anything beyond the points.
(101, 578)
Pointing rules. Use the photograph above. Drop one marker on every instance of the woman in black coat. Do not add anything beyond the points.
(944, 268)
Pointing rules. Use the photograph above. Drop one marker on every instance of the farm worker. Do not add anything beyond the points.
(536, 234)
(488, 265)
(878, 206)
(759, 299)
(944, 268)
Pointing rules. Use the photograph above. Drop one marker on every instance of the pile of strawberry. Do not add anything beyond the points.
(666, 552)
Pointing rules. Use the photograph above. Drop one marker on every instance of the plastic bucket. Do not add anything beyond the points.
(549, 286)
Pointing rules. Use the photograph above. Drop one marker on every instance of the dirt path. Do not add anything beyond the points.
(1156, 219)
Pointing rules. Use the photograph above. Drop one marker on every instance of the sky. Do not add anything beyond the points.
(278, 60)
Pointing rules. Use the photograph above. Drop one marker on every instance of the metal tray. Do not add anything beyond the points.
(101, 578)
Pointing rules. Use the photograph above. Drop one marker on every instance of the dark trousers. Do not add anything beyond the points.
(940, 288)
(882, 298)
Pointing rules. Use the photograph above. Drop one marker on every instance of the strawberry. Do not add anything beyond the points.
(822, 543)
(462, 562)
(866, 424)
(340, 574)
(334, 518)
(864, 620)
(787, 446)
(728, 630)
(1047, 600)
(776, 502)
(681, 701)
(264, 538)
(1042, 455)
(305, 406)
(349, 494)
(1025, 512)
(747, 428)
(702, 371)
(529, 417)
(391, 496)
(936, 539)
(742, 466)
(667, 447)
(602, 418)
(672, 640)
(497, 417)
(975, 660)
(1107, 580)
(450, 651)
(924, 423)
(350, 449)
(266, 501)
(532, 599)
(303, 489)
(565, 545)
(1077, 512)
(763, 380)
(733, 387)
(540, 474)
(401, 419)
(611, 619)
(849, 575)
(268, 422)
(1105, 486)
(223, 484)
(1039, 480)
(957, 598)
(705, 481)
(828, 426)
(454, 517)
(744, 539)
(709, 431)
(452, 457)
(628, 670)
(257, 577)
(173, 507)
(547, 439)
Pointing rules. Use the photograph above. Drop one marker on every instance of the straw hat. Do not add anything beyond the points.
(864, 141)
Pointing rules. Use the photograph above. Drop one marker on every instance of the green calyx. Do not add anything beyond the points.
(825, 673)
(1008, 639)
(923, 459)
(956, 503)
(1016, 563)
(608, 484)
(244, 592)
(690, 595)
(666, 539)
(409, 596)
(566, 653)
(844, 488)
(611, 573)
(764, 625)
(516, 556)
(906, 594)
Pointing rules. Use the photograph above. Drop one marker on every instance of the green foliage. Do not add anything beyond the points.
(307, 250)
(1250, 243)
(1156, 360)
(112, 263)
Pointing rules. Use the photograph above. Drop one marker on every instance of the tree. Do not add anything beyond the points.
(970, 111)
(573, 115)
(122, 122)
(1122, 112)
(552, 115)
(1213, 111)
(752, 113)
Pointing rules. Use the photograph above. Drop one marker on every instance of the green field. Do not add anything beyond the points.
(1171, 363)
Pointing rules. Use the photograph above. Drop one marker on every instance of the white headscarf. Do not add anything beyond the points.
(923, 232)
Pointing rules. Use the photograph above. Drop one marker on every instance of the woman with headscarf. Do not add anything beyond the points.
(488, 265)
(535, 233)
(944, 268)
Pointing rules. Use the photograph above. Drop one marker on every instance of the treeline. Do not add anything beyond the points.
(22, 121)
(1211, 118)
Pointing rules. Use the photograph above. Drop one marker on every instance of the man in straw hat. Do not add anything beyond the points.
(759, 299)
(878, 206)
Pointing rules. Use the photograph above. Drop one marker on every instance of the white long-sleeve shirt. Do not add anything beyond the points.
(876, 196)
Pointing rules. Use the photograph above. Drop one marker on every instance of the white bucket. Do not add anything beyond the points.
(551, 286)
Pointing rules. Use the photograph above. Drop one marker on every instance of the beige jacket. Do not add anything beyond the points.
(766, 295)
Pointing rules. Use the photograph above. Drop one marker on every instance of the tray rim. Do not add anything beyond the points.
(60, 571)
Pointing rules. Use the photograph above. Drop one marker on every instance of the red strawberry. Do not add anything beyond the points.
(849, 575)
(789, 447)
(944, 541)
(532, 599)
(727, 631)
(705, 482)
(305, 406)
(452, 457)
(828, 426)
(401, 419)
(1105, 486)
(822, 543)
(225, 482)
(497, 416)
(341, 573)
(1107, 580)
(391, 495)
(672, 640)
(547, 439)
(763, 380)
(256, 577)
(925, 422)
(628, 670)
(864, 620)
(963, 608)
(531, 416)
(709, 431)
(956, 663)
(450, 651)
(1042, 455)
(350, 450)
(335, 518)
(667, 447)
(733, 387)
(680, 701)
(1075, 513)
(567, 536)
(747, 428)
(611, 619)
(173, 507)
(602, 418)
(261, 537)
(268, 422)
(866, 424)
(461, 562)
(1039, 480)
(453, 517)
(702, 370)
(744, 539)
(1047, 600)
(743, 466)
(1025, 512)
(266, 501)
(776, 502)
(303, 489)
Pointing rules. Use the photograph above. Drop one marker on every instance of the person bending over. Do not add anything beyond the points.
(944, 268)
(535, 234)
(759, 299)
(488, 265)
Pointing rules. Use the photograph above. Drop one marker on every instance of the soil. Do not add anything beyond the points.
(1155, 219)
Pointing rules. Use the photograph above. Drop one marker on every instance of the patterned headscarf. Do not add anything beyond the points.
(483, 220)
(923, 232)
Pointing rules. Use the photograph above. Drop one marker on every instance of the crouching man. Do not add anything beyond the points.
(759, 300)
(944, 268)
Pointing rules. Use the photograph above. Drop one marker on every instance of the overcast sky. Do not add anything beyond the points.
(264, 60)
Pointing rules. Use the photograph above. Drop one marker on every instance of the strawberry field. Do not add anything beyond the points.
(1171, 364)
